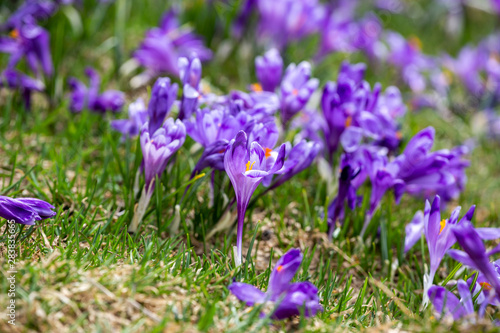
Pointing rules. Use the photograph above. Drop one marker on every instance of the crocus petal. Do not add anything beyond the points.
(414, 230)
(283, 272)
(446, 303)
(247, 293)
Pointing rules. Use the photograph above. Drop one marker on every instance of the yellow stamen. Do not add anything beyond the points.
(14, 33)
(256, 87)
(448, 75)
(268, 152)
(249, 165)
(443, 224)
(279, 268)
(415, 42)
(348, 121)
(485, 285)
(201, 175)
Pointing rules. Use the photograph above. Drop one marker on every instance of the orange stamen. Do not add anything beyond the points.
(295, 92)
(268, 152)
(256, 87)
(279, 268)
(399, 135)
(348, 121)
(14, 33)
(485, 285)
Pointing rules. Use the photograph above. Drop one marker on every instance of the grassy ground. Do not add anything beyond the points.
(81, 271)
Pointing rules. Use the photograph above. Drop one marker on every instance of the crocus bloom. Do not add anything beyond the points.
(163, 46)
(163, 96)
(291, 299)
(269, 69)
(474, 253)
(137, 117)
(246, 164)
(446, 303)
(81, 96)
(157, 148)
(282, 21)
(296, 89)
(14, 79)
(190, 75)
(25, 210)
(298, 159)
(438, 233)
(31, 42)
(346, 192)
(30, 9)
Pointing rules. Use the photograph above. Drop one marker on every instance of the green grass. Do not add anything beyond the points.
(82, 271)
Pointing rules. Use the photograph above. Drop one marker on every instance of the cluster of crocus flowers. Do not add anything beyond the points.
(157, 149)
(247, 164)
(25, 210)
(89, 98)
(289, 299)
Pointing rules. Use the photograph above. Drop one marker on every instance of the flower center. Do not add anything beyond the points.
(14, 33)
(416, 43)
(295, 92)
(279, 268)
(249, 165)
(268, 152)
(399, 135)
(485, 285)
(348, 121)
(256, 87)
(443, 224)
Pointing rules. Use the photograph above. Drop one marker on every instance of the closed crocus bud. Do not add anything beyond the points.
(163, 96)
(269, 69)
(296, 89)
(25, 210)
(190, 71)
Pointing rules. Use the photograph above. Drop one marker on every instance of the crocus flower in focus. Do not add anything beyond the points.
(157, 148)
(296, 89)
(447, 304)
(163, 46)
(246, 164)
(290, 299)
(269, 69)
(474, 253)
(31, 42)
(82, 97)
(13, 79)
(25, 210)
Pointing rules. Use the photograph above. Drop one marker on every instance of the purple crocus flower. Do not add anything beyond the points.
(283, 21)
(137, 117)
(346, 192)
(30, 10)
(163, 46)
(13, 79)
(25, 210)
(163, 96)
(296, 89)
(269, 69)
(246, 165)
(157, 148)
(81, 96)
(474, 253)
(299, 158)
(190, 75)
(447, 304)
(291, 299)
(31, 42)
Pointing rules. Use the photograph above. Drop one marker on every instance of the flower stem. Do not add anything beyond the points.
(239, 235)
(142, 205)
